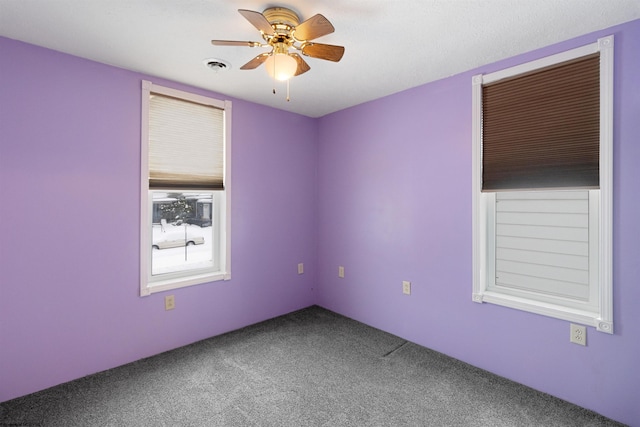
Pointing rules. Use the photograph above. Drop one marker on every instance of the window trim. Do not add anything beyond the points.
(148, 287)
(603, 320)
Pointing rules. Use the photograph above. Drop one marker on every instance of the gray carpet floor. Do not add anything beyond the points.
(308, 368)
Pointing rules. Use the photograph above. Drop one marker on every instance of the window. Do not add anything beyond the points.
(185, 153)
(542, 186)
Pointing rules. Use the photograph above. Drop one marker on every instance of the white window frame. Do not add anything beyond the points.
(602, 317)
(221, 215)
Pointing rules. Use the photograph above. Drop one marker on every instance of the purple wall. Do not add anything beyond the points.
(391, 202)
(395, 204)
(69, 212)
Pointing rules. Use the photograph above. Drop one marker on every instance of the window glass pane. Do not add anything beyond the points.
(182, 233)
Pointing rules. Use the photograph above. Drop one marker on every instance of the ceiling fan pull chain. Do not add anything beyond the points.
(288, 80)
(274, 77)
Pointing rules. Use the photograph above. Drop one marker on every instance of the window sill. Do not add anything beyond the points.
(584, 317)
(181, 282)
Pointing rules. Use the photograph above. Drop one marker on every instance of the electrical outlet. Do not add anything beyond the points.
(300, 268)
(169, 302)
(341, 272)
(578, 334)
(406, 287)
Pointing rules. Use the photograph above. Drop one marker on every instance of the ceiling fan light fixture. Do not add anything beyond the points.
(281, 66)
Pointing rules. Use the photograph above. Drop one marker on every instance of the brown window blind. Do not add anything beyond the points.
(542, 129)
(186, 144)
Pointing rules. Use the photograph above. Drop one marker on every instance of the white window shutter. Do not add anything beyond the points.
(543, 244)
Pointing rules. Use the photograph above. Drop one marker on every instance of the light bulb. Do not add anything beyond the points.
(281, 66)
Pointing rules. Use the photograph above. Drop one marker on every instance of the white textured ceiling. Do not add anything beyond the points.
(391, 45)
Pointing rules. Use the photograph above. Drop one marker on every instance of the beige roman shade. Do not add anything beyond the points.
(186, 144)
(542, 129)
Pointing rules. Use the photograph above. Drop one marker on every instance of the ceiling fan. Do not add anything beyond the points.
(282, 32)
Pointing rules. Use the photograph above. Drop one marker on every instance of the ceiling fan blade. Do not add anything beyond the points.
(234, 43)
(303, 67)
(255, 62)
(314, 27)
(257, 20)
(323, 51)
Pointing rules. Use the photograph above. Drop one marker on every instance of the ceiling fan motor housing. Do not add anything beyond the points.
(281, 16)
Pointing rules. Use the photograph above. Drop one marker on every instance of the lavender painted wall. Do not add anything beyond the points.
(69, 212)
(395, 204)
(391, 202)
